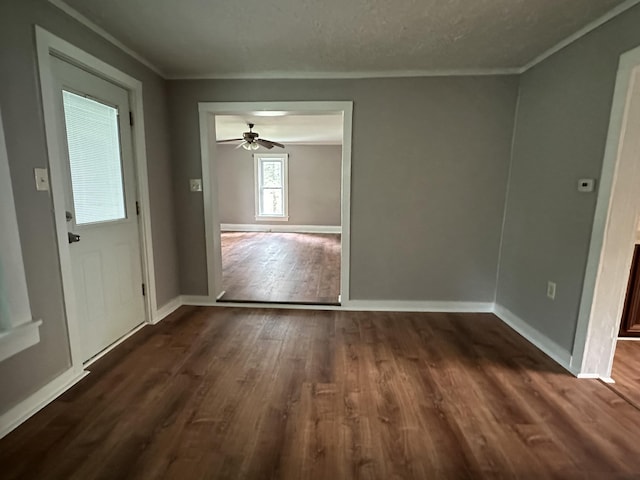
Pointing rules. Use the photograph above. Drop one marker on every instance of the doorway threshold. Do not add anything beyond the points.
(281, 302)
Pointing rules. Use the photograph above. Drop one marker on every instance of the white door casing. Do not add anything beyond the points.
(48, 46)
(105, 263)
(207, 112)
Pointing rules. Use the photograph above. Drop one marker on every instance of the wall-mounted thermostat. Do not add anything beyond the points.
(586, 184)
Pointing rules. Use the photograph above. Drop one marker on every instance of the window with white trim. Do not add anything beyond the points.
(271, 174)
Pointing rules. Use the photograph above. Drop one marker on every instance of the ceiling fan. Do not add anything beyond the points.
(250, 140)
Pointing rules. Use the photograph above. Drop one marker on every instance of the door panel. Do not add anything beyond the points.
(630, 325)
(100, 199)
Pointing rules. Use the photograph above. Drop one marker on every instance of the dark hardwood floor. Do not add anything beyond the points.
(281, 267)
(229, 393)
(626, 370)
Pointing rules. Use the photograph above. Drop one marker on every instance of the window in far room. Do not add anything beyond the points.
(271, 172)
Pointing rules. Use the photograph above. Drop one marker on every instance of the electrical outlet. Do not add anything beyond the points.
(195, 184)
(586, 185)
(551, 290)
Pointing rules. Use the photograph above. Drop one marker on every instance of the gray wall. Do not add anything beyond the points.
(315, 173)
(31, 369)
(429, 172)
(560, 135)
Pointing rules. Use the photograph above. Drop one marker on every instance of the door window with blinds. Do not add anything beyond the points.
(271, 186)
(93, 138)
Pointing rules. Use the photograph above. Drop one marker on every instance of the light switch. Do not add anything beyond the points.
(195, 184)
(42, 179)
(586, 184)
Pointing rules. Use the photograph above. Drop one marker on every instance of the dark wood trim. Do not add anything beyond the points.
(630, 324)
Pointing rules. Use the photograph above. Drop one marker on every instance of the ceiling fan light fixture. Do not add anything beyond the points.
(254, 146)
(246, 146)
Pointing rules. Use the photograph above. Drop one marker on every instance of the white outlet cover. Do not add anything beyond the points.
(195, 184)
(551, 290)
(586, 185)
(42, 179)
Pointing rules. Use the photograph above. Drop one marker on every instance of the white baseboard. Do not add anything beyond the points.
(166, 310)
(588, 376)
(122, 339)
(355, 305)
(607, 380)
(34, 403)
(250, 227)
(544, 343)
(418, 306)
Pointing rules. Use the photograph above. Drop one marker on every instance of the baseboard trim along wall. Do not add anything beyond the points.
(166, 310)
(355, 305)
(418, 306)
(250, 227)
(561, 356)
(14, 417)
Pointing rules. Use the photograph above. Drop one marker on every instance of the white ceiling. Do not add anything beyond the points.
(287, 129)
(244, 38)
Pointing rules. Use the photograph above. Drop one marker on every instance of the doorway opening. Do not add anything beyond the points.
(81, 93)
(276, 188)
(279, 207)
(614, 232)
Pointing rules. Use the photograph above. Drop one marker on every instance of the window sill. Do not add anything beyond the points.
(272, 219)
(19, 338)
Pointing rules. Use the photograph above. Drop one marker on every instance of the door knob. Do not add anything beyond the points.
(73, 237)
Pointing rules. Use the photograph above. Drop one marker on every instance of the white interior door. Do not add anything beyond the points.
(100, 193)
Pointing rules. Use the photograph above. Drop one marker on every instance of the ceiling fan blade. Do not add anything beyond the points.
(272, 143)
(265, 143)
(240, 145)
(230, 140)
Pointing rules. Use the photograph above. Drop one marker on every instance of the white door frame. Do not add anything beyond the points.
(207, 112)
(48, 44)
(612, 236)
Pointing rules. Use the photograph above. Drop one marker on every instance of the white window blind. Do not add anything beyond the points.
(94, 157)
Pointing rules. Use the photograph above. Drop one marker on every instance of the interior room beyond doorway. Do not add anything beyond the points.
(279, 206)
(281, 267)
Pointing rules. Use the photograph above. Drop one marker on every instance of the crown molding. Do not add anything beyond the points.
(623, 7)
(348, 75)
(72, 12)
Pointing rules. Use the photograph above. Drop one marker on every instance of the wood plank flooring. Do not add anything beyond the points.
(281, 267)
(626, 370)
(230, 393)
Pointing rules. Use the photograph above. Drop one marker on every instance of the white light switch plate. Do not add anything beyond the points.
(195, 184)
(42, 179)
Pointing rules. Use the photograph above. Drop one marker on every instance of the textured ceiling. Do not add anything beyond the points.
(287, 129)
(258, 37)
